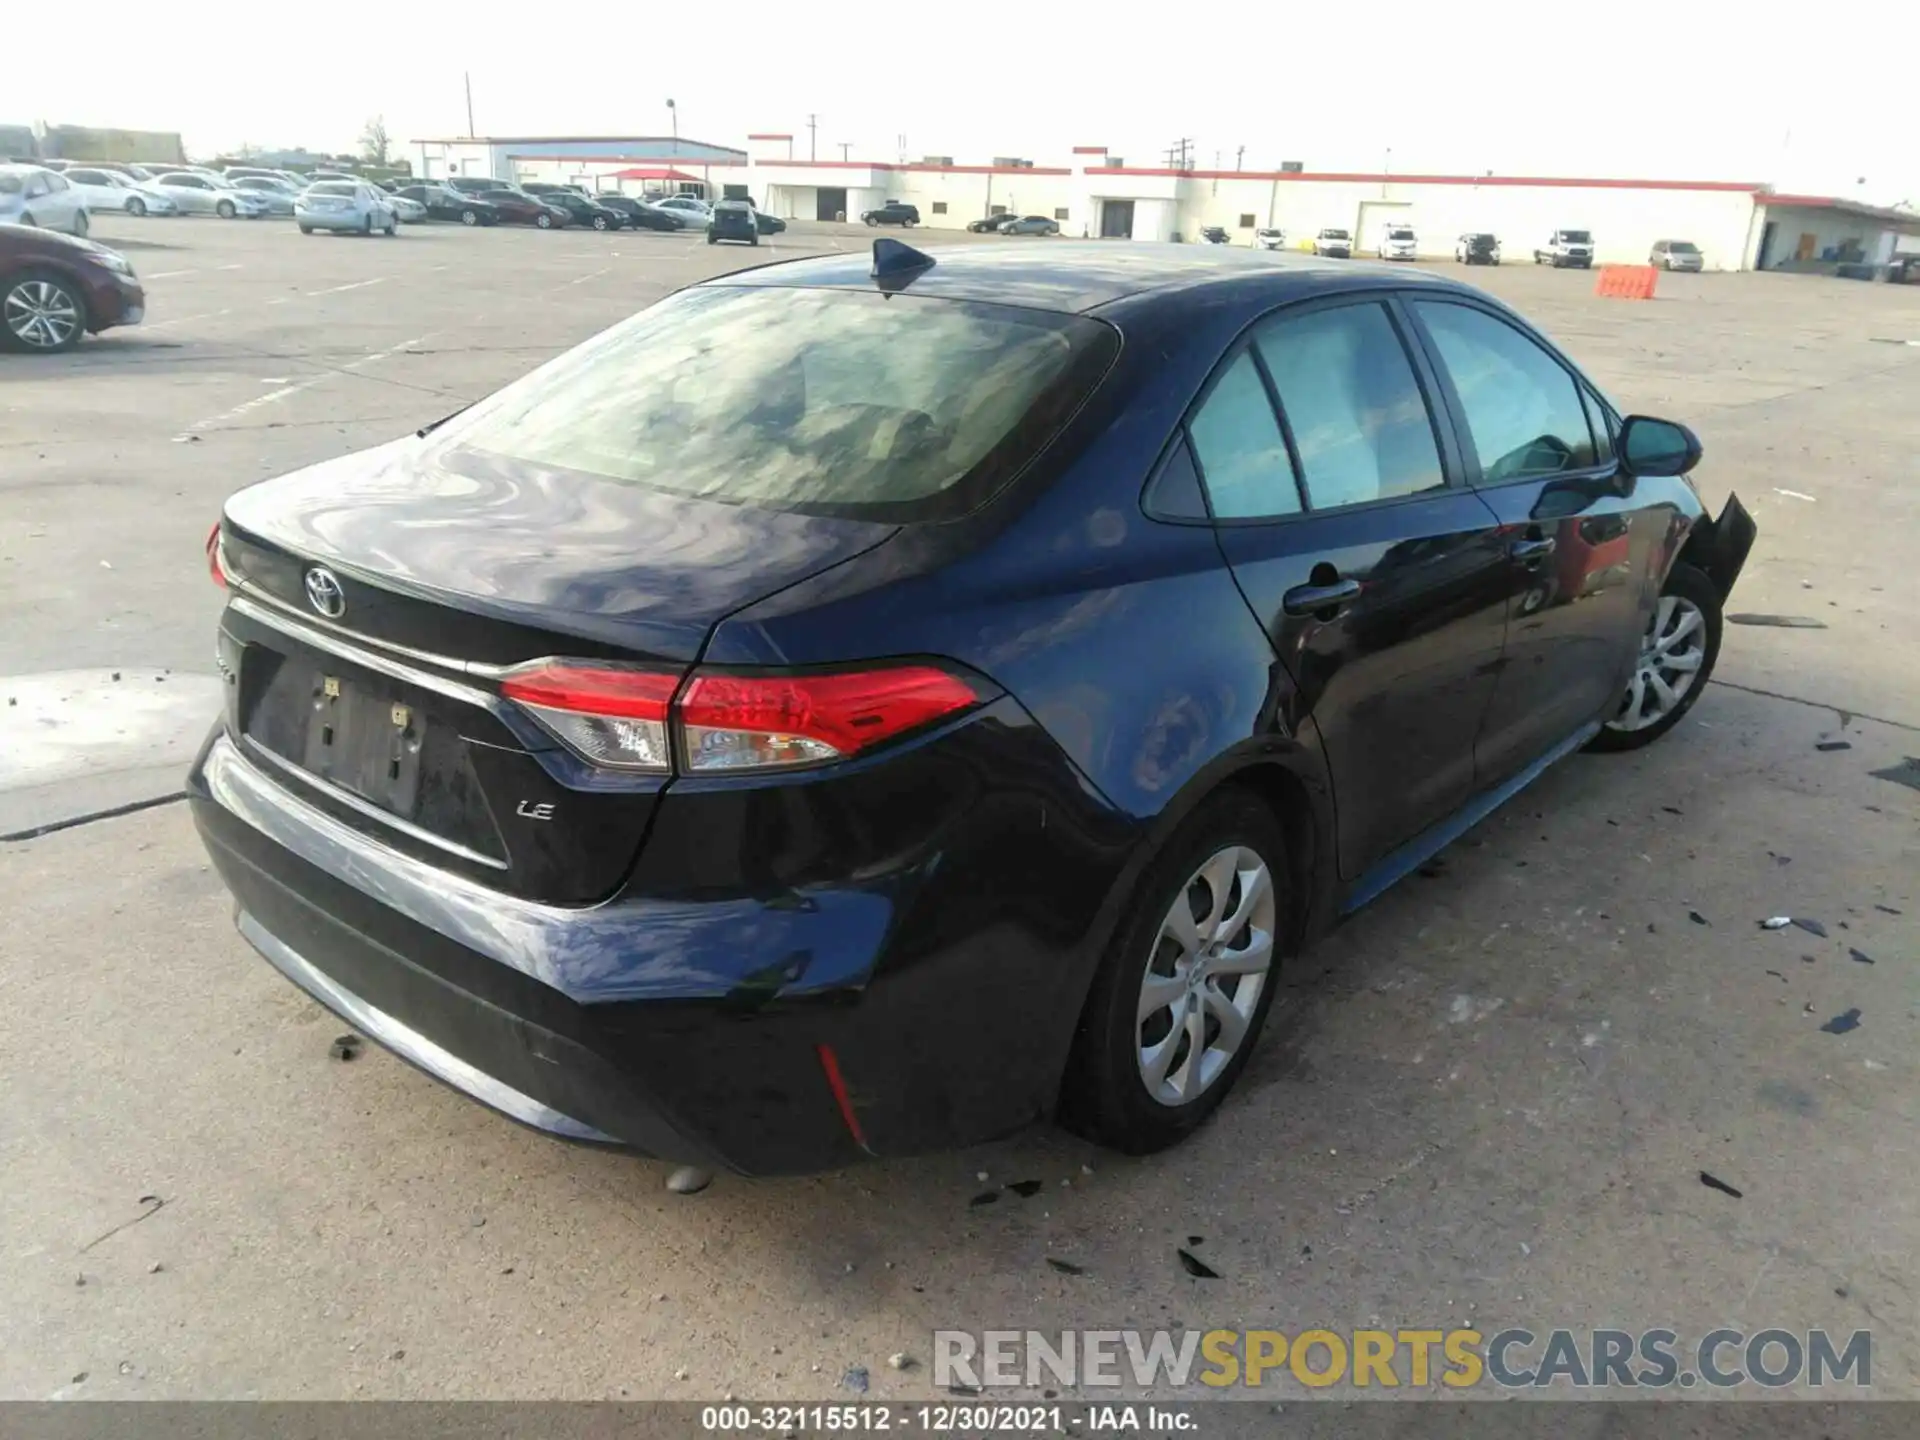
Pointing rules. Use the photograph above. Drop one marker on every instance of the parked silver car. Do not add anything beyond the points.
(35, 195)
(198, 194)
(277, 194)
(408, 210)
(1676, 255)
(1031, 225)
(102, 189)
(351, 205)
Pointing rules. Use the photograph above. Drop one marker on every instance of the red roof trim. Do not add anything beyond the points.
(769, 137)
(692, 164)
(891, 165)
(1089, 149)
(1546, 181)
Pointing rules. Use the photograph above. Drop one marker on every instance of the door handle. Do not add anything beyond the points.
(1527, 551)
(1305, 600)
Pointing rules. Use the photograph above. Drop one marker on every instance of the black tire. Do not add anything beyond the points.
(871, 222)
(755, 241)
(545, 222)
(469, 217)
(1104, 1097)
(65, 288)
(366, 225)
(599, 222)
(136, 207)
(225, 210)
(306, 229)
(1693, 585)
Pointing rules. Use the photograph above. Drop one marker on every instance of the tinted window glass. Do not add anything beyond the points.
(1522, 408)
(1242, 454)
(821, 401)
(1359, 421)
(1175, 491)
(88, 177)
(1602, 429)
(333, 187)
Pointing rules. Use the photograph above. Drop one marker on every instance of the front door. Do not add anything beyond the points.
(1380, 584)
(1581, 537)
(1116, 219)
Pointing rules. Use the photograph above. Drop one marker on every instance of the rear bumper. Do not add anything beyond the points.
(689, 1030)
(331, 219)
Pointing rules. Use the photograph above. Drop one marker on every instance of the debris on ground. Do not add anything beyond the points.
(150, 1205)
(1066, 1267)
(899, 1360)
(1714, 1182)
(1697, 918)
(1776, 922)
(1196, 1239)
(1025, 1189)
(1843, 1022)
(689, 1180)
(345, 1047)
(1812, 927)
(985, 1197)
(1194, 1266)
(1906, 773)
(1860, 956)
(855, 1379)
(1885, 909)
(1831, 745)
(969, 1391)
(1778, 976)
(155, 1268)
(1784, 622)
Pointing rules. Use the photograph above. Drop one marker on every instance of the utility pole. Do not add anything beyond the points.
(1239, 156)
(673, 113)
(468, 77)
(813, 126)
(845, 146)
(1180, 154)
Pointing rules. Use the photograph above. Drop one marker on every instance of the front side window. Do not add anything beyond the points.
(1359, 421)
(825, 402)
(1242, 454)
(1522, 408)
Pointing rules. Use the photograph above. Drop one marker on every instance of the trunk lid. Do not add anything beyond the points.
(376, 698)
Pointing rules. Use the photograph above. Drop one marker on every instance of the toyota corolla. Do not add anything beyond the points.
(856, 706)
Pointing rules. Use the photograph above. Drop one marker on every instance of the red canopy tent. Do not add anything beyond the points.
(658, 175)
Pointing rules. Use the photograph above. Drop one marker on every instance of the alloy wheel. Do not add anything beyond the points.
(41, 314)
(1203, 981)
(1671, 654)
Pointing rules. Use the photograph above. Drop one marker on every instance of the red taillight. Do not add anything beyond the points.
(752, 722)
(623, 717)
(214, 567)
(611, 716)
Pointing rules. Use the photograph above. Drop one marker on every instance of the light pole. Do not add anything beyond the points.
(673, 114)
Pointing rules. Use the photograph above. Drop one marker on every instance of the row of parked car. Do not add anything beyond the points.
(61, 195)
(1476, 247)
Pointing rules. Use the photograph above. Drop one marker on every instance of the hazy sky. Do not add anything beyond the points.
(1701, 89)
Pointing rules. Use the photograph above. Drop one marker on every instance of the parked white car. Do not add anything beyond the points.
(345, 205)
(1398, 242)
(198, 194)
(689, 205)
(35, 195)
(110, 190)
(408, 210)
(1269, 239)
(276, 194)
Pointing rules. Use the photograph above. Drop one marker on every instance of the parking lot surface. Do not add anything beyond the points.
(1488, 1099)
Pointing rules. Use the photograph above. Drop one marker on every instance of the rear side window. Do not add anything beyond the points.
(333, 187)
(1359, 421)
(1522, 408)
(1242, 454)
(893, 408)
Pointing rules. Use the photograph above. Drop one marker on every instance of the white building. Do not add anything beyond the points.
(1737, 224)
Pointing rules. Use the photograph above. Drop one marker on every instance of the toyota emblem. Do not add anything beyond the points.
(324, 592)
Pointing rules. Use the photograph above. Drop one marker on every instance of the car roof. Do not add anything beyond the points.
(1081, 276)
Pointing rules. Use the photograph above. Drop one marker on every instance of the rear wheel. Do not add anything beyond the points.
(545, 222)
(41, 311)
(1677, 655)
(1176, 1008)
(225, 210)
(306, 229)
(599, 222)
(469, 217)
(136, 207)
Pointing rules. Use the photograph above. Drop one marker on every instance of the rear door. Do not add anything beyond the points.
(1581, 544)
(1380, 583)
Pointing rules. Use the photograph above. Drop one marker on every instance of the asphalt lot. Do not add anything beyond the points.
(1489, 1098)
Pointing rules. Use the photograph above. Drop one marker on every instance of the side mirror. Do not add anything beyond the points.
(1657, 447)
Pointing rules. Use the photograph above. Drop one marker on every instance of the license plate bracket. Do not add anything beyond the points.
(365, 743)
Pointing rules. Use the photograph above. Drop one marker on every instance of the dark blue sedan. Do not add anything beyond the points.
(860, 706)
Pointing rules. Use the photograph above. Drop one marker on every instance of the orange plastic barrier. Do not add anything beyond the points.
(1625, 282)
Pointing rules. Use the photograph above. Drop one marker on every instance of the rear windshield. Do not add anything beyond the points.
(331, 187)
(1683, 247)
(1575, 237)
(1401, 233)
(826, 402)
(1333, 234)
